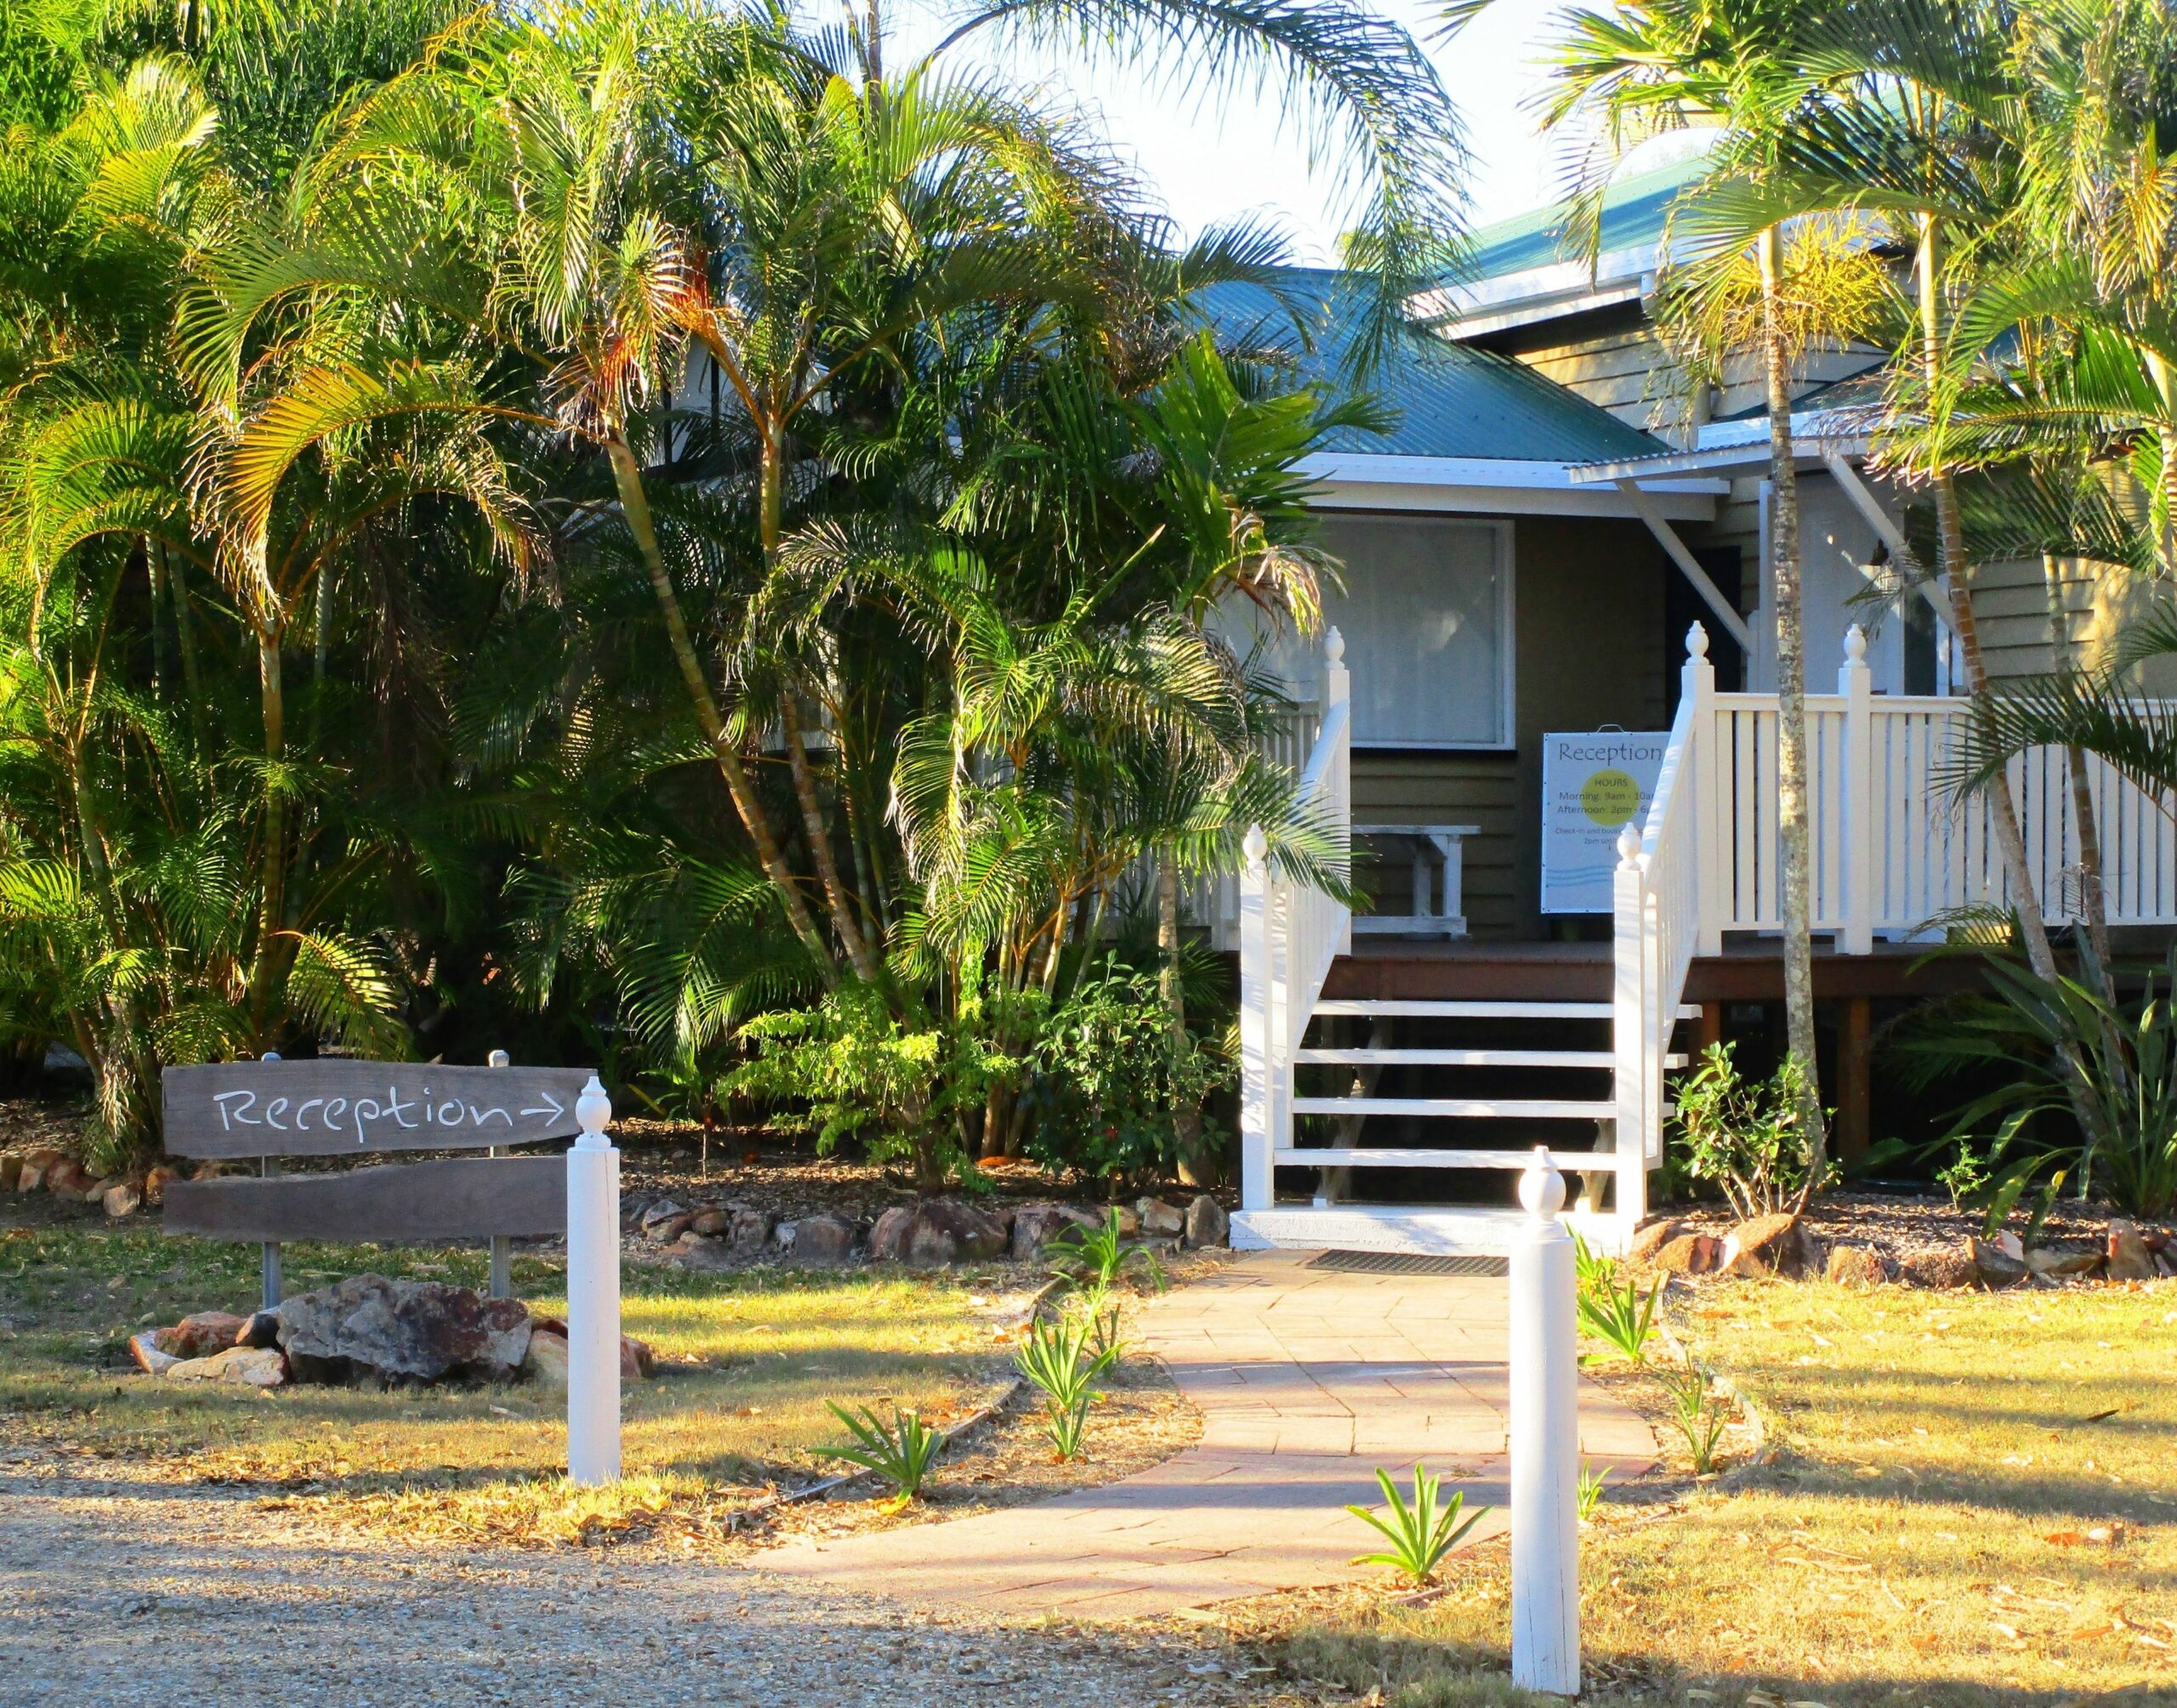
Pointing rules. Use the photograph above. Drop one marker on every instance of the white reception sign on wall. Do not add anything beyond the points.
(1591, 784)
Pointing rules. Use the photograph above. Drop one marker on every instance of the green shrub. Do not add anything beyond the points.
(1110, 1077)
(1061, 1359)
(1743, 1138)
(1420, 1533)
(901, 1451)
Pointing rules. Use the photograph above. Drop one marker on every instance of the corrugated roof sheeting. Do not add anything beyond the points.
(1452, 401)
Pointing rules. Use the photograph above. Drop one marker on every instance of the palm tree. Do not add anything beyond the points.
(1743, 69)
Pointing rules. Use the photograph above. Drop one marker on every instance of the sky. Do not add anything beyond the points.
(1211, 162)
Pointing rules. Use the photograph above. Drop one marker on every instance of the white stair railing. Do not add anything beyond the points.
(1659, 906)
(1289, 934)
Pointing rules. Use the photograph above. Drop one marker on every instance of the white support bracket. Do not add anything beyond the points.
(1734, 625)
(1855, 488)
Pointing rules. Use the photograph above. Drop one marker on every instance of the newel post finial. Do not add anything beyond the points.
(1334, 646)
(1855, 644)
(1628, 844)
(1542, 1187)
(1255, 845)
(1696, 642)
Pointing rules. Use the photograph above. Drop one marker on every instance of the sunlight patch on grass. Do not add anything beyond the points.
(1974, 1503)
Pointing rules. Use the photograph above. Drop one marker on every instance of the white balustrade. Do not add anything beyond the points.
(1289, 934)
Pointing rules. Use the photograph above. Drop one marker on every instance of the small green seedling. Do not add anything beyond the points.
(1591, 1484)
(1094, 1259)
(1421, 1534)
(1618, 1315)
(1060, 1359)
(901, 1451)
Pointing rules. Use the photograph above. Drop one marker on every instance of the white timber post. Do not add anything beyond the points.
(1628, 1024)
(1545, 1443)
(1711, 786)
(501, 1245)
(593, 1294)
(1338, 690)
(1855, 682)
(271, 1283)
(1257, 1094)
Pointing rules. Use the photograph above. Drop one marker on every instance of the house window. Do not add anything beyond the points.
(1427, 616)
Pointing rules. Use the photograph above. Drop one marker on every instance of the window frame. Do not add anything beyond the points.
(1507, 538)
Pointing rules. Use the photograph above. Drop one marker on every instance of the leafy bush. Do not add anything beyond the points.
(1092, 1260)
(1745, 1139)
(901, 1451)
(1619, 1315)
(1111, 1077)
(857, 1070)
(2061, 1056)
(1421, 1534)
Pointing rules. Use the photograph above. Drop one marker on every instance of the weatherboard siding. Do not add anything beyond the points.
(1589, 648)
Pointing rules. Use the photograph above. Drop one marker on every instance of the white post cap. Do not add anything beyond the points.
(1542, 1187)
(593, 1108)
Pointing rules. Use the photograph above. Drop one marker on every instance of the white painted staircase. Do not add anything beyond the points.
(1468, 1089)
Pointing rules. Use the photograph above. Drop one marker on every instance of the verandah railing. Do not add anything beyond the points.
(1289, 934)
(1894, 848)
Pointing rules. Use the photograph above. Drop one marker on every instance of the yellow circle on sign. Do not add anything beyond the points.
(1610, 799)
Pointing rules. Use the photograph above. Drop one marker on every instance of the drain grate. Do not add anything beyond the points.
(1408, 1264)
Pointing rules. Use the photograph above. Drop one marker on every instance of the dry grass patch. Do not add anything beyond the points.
(1973, 1501)
(745, 1362)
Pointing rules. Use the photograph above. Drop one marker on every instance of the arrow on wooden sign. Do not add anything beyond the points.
(337, 1107)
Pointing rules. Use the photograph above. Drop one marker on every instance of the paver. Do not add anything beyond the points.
(1306, 1380)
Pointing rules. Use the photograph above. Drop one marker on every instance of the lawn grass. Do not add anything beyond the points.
(745, 1362)
(1972, 1500)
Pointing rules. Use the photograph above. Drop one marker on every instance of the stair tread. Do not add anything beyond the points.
(1467, 1109)
(1388, 1055)
(1416, 1156)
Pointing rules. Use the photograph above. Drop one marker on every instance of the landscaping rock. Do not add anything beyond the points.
(144, 1350)
(11, 1171)
(67, 1177)
(933, 1233)
(201, 1334)
(1129, 1222)
(2062, 1266)
(710, 1221)
(253, 1366)
(1158, 1218)
(421, 1331)
(546, 1360)
(155, 1184)
(34, 1168)
(1856, 1266)
(823, 1239)
(1207, 1224)
(656, 1216)
(1942, 1270)
(120, 1199)
(1994, 1266)
(636, 1360)
(1036, 1225)
(749, 1229)
(1779, 1245)
(1689, 1254)
(1651, 1238)
(263, 1328)
(2130, 1258)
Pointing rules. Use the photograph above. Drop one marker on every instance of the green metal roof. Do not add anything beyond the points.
(1633, 213)
(1451, 401)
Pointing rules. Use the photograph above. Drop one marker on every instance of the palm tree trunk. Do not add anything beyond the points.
(2094, 908)
(272, 919)
(634, 503)
(819, 832)
(184, 635)
(1950, 528)
(1796, 898)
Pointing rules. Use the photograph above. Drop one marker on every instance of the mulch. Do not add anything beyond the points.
(1903, 1228)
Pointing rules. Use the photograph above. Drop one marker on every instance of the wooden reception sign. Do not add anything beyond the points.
(471, 1198)
(338, 1107)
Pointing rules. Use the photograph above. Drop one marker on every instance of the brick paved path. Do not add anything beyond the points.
(1307, 1380)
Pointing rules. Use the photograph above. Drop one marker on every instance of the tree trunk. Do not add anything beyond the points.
(177, 580)
(627, 475)
(819, 833)
(1796, 896)
(2093, 910)
(273, 902)
(1950, 528)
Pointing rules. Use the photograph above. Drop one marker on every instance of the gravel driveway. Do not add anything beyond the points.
(115, 1589)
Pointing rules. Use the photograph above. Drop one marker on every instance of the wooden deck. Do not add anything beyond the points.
(1751, 971)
